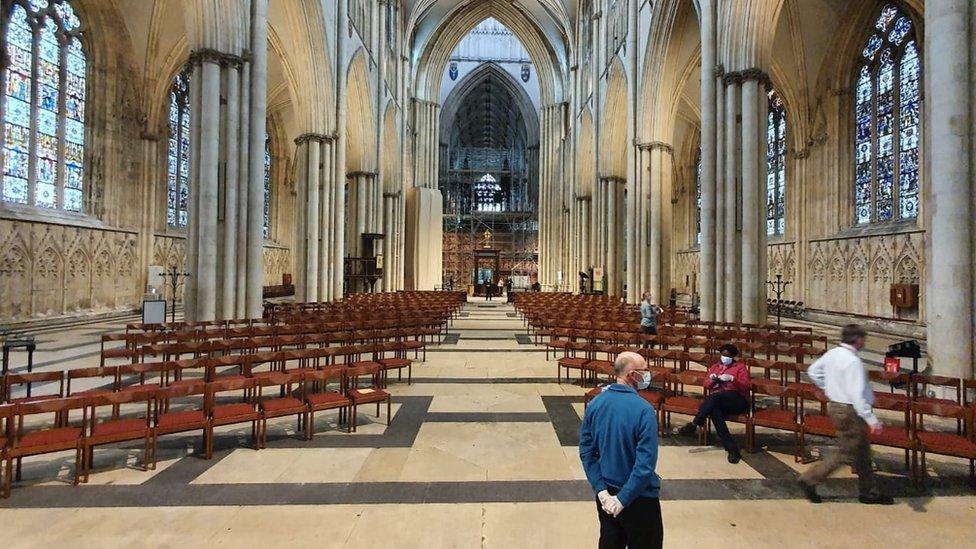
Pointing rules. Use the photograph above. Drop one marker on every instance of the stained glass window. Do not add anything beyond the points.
(487, 194)
(267, 186)
(886, 121)
(178, 160)
(775, 166)
(44, 106)
(698, 196)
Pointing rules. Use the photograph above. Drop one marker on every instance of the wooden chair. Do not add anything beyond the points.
(219, 415)
(897, 436)
(62, 435)
(117, 429)
(366, 395)
(99, 373)
(942, 442)
(13, 380)
(679, 401)
(815, 422)
(319, 397)
(397, 362)
(782, 417)
(286, 404)
(167, 421)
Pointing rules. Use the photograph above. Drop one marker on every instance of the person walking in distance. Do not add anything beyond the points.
(840, 373)
(618, 449)
(649, 312)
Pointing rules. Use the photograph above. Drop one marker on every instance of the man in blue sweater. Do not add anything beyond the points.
(618, 448)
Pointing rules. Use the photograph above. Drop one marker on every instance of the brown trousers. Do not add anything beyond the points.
(853, 448)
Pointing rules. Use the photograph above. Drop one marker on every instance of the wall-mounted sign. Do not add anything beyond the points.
(525, 72)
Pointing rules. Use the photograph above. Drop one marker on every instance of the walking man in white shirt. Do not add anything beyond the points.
(840, 373)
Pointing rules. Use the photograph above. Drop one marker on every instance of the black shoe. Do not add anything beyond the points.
(876, 499)
(810, 492)
(734, 456)
(686, 429)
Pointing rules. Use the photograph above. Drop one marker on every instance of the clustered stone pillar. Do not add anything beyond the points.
(950, 127)
(551, 196)
(365, 209)
(393, 232)
(608, 231)
(653, 210)
(708, 142)
(225, 239)
(427, 120)
(736, 241)
(316, 218)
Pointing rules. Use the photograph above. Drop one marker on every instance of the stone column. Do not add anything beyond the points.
(326, 226)
(310, 223)
(656, 219)
(644, 226)
(950, 55)
(258, 112)
(720, 248)
(205, 190)
(753, 199)
(193, 207)
(707, 248)
(732, 164)
(231, 154)
(339, 178)
(242, 194)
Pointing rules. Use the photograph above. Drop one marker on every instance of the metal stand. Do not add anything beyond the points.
(778, 286)
(174, 282)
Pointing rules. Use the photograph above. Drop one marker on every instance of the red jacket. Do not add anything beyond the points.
(740, 378)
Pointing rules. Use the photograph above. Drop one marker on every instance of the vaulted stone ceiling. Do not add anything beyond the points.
(489, 117)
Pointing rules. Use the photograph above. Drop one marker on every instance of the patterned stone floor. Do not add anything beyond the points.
(482, 452)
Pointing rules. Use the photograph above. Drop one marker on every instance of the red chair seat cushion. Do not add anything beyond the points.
(818, 424)
(140, 387)
(593, 393)
(772, 417)
(557, 343)
(374, 395)
(891, 435)
(233, 410)
(655, 398)
(682, 404)
(119, 426)
(49, 437)
(600, 366)
(933, 440)
(394, 362)
(173, 419)
(281, 404)
(572, 362)
(331, 397)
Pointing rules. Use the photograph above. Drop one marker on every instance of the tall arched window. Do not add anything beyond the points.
(698, 196)
(886, 121)
(775, 166)
(178, 165)
(44, 106)
(487, 194)
(267, 186)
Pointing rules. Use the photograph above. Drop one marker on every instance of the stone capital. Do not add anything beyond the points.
(207, 55)
(318, 137)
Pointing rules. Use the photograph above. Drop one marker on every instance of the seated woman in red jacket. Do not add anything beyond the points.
(727, 384)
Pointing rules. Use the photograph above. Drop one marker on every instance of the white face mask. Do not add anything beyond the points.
(726, 360)
(645, 381)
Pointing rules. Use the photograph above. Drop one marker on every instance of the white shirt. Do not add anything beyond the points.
(840, 373)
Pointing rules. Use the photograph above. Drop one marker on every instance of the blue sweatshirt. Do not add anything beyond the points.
(618, 444)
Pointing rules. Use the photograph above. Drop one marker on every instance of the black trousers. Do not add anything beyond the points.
(716, 407)
(649, 330)
(638, 526)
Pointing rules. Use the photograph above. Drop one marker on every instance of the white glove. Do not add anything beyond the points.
(725, 377)
(612, 506)
(602, 496)
(713, 377)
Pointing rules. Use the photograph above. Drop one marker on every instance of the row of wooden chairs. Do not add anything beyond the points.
(801, 409)
(174, 371)
(82, 422)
